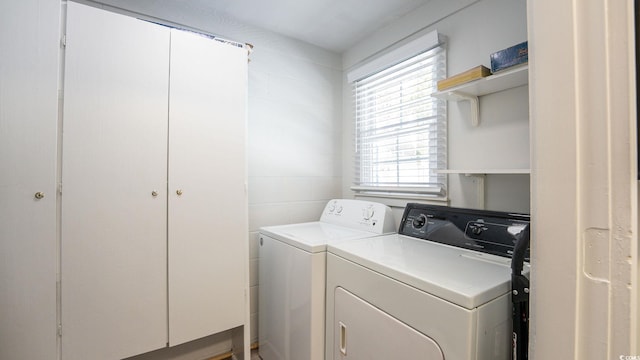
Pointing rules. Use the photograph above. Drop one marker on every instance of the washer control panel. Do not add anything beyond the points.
(357, 214)
(486, 231)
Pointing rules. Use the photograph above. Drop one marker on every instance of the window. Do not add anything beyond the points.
(401, 129)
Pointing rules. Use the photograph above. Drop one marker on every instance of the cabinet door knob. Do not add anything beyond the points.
(179, 192)
(39, 195)
(154, 193)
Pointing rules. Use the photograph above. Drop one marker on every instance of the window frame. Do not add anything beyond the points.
(434, 190)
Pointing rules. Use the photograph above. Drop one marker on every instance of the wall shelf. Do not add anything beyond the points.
(471, 91)
(480, 176)
(471, 172)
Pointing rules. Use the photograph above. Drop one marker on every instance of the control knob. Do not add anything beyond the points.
(419, 221)
(367, 213)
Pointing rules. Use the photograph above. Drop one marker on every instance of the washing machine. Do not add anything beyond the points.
(438, 289)
(292, 275)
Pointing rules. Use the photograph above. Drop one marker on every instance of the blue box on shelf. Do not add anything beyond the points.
(511, 56)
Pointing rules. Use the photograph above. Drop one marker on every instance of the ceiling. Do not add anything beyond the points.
(331, 24)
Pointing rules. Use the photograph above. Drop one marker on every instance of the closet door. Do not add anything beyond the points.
(207, 177)
(29, 43)
(114, 168)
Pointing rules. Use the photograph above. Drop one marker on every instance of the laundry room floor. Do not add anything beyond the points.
(229, 356)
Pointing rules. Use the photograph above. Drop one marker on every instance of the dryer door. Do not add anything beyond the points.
(365, 332)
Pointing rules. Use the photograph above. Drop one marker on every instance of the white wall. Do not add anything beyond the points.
(294, 142)
(474, 29)
(584, 181)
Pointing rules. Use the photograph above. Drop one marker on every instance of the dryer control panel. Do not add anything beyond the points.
(361, 215)
(485, 231)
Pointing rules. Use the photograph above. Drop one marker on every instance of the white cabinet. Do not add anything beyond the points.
(207, 165)
(114, 155)
(154, 229)
(29, 40)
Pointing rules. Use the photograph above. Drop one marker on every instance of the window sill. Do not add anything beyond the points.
(401, 200)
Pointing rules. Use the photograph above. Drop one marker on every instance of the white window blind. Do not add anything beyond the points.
(401, 129)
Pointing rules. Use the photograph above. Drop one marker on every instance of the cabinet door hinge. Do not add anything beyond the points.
(60, 188)
(59, 330)
(64, 41)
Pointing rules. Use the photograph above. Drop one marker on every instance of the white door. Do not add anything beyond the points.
(29, 40)
(362, 331)
(113, 256)
(207, 175)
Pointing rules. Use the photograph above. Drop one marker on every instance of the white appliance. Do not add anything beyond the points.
(439, 289)
(292, 275)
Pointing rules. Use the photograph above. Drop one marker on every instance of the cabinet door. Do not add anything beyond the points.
(29, 40)
(207, 176)
(113, 256)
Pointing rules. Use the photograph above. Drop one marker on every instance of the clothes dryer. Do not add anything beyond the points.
(439, 289)
(292, 275)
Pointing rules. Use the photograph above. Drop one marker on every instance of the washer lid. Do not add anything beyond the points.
(313, 236)
(463, 277)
